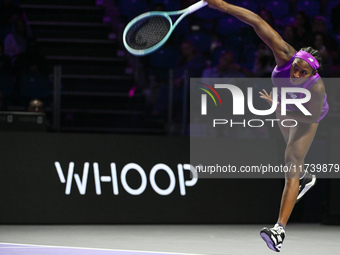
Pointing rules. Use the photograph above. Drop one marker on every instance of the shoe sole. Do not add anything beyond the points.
(268, 240)
(306, 188)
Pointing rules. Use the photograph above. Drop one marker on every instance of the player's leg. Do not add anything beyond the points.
(285, 130)
(299, 142)
(306, 180)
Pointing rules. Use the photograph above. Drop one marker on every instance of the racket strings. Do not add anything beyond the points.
(147, 32)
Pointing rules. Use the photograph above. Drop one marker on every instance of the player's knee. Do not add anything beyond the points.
(294, 155)
(294, 161)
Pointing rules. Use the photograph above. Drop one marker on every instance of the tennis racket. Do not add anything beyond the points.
(149, 31)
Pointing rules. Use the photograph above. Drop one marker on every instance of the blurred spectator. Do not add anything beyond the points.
(16, 42)
(267, 15)
(292, 37)
(320, 26)
(32, 57)
(190, 61)
(36, 105)
(264, 62)
(190, 65)
(34, 84)
(320, 43)
(226, 68)
(304, 27)
(9, 12)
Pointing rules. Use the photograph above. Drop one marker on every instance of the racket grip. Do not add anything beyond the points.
(197, 6)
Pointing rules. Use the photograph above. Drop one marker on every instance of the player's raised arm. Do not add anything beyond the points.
(281, 50)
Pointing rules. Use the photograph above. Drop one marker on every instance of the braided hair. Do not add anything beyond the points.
(315, 53)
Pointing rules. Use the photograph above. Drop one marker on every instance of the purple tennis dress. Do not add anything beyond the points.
(280, 78)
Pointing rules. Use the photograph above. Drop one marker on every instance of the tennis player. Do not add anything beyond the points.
(300, 68)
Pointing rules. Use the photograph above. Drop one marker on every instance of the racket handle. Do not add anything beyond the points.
(197, 6)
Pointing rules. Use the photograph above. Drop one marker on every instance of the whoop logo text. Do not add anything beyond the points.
(82, 182)
(238, 100)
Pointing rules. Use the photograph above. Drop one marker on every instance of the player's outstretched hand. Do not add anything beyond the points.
(268, 97)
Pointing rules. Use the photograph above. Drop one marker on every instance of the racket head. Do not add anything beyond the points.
(147, 32)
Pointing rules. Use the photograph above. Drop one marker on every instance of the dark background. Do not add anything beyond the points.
(31, 191)
(109, 106)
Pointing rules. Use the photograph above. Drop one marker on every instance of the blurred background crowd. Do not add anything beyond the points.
(105, 89)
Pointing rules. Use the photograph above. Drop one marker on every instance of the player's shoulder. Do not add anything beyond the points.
(318, 86)
(285, 57)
